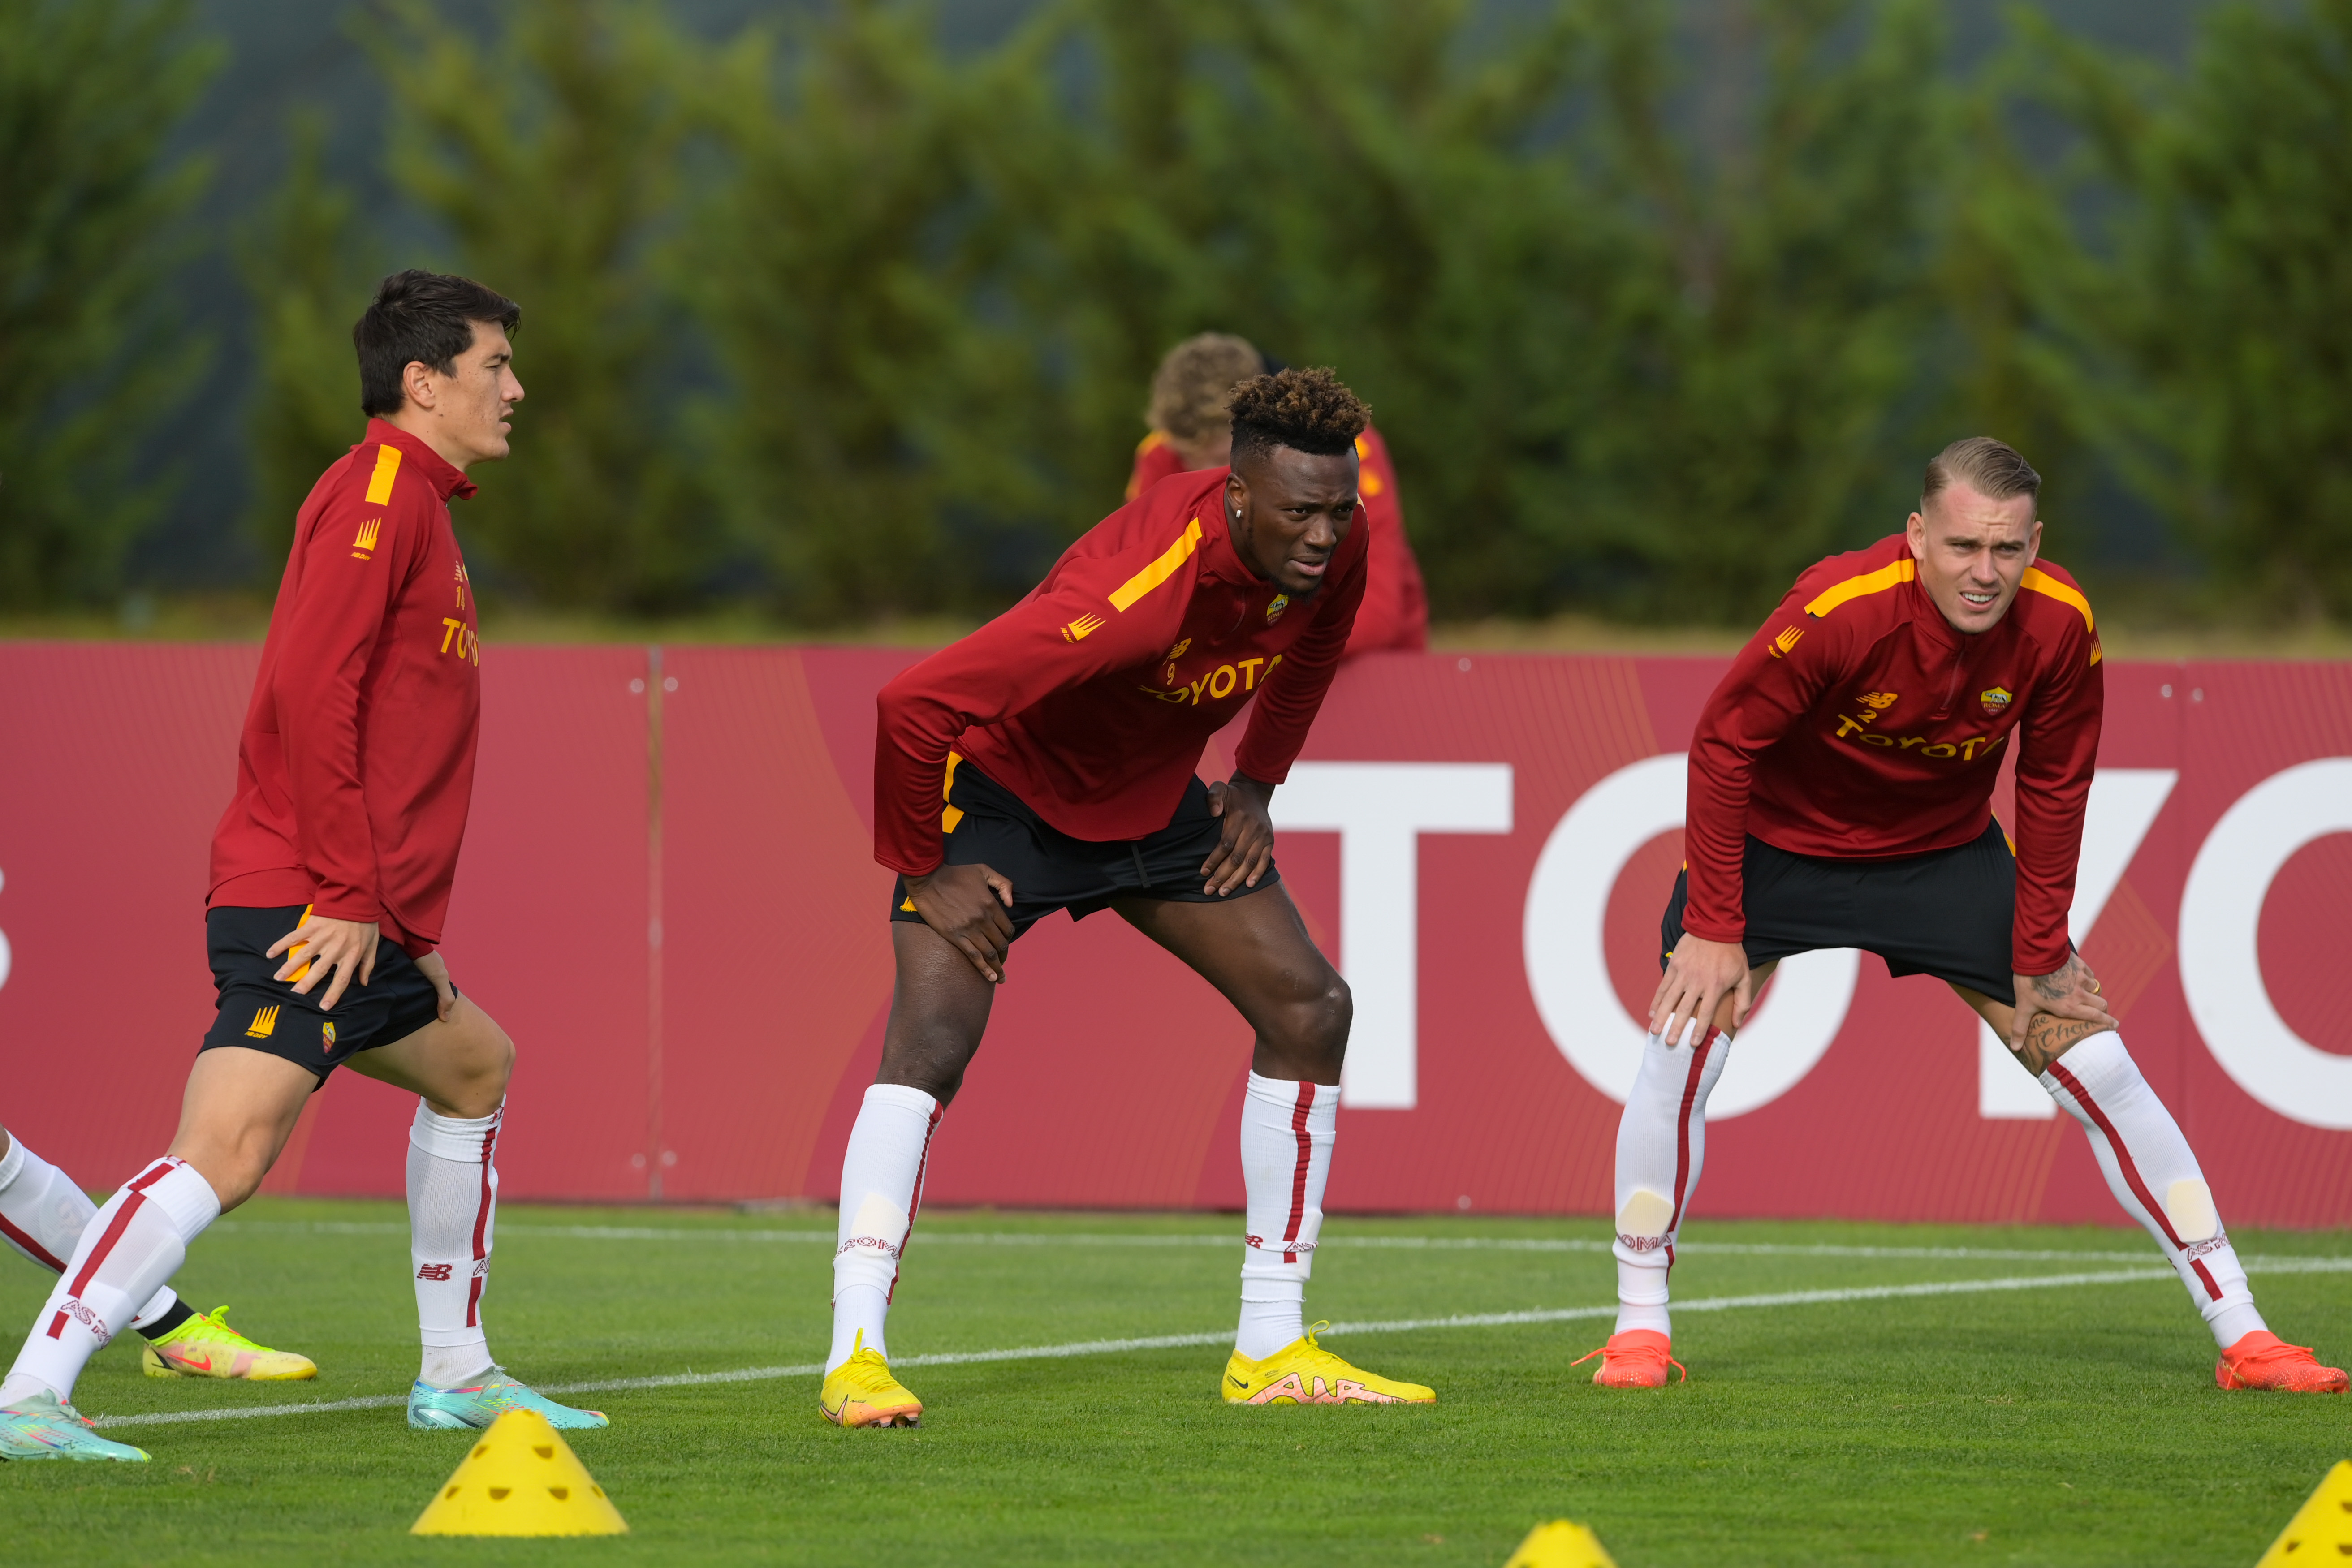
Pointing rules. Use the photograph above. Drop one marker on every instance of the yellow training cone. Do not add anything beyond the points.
(1560, 1545)
(520, 1478)
(2322, 1528)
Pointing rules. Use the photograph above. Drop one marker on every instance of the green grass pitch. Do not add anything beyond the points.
(2061, 1423)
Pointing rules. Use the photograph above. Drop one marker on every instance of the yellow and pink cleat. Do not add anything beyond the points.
(861, 1392)
(1638, 1358)
(1304, 1373)
(205, 1346)
(2261, 1360)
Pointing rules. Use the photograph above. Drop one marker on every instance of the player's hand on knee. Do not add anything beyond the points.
(1698, 977)
(344, 948)
(2070, 991)
(1246, 847)
(967, 904)
(435, 969)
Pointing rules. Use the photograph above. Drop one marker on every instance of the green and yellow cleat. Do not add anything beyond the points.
(861, 1392)
(205, 1346)
(1304, 1373)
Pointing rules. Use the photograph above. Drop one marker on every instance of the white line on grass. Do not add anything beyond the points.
(1185, 1341)
(1198, 1239)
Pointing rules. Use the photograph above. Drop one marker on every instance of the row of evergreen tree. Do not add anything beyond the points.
(827, 314)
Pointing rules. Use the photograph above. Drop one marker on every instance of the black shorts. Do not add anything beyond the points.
(1050, 870)
(1948, 913)
(264, 1014)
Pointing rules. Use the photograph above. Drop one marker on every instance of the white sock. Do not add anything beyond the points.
(1287, 1131)
(1661, 1142)
(453, 1207)
(881, 1189)
(43, 1212)
(2153, 1173)
(134, 1243)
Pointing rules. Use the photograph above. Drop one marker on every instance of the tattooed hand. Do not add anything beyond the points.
(2053, 1011)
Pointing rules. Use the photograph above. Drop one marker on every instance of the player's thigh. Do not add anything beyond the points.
(238, 1111)
(1725, 1010)
(459, 1064)
(1253, 947)
(939, 1009)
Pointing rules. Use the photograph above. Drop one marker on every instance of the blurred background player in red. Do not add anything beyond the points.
(1191, 429)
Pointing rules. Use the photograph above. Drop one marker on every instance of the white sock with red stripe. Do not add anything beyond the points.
(134, 1243)
(453, 1210)
(42, 1213)
(1661, 1142)
(1287, 1130)
(2154, 1174)
(881, 1190)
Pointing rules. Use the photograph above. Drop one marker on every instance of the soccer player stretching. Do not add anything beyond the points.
(1841, 790)
(1046, 762)
(42, 1213)
(331, 870)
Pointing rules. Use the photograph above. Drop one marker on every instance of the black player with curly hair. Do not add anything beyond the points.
(1047, 763)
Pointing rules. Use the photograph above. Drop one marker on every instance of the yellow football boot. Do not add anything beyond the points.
(861, 1392)
(205, 1346)
(1304, 1373)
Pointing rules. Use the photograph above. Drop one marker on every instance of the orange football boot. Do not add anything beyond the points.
(1638, 1358)
(2261, 1360)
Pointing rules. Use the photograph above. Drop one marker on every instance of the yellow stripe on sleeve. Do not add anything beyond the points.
(1878, 581)
(387, 465)
(2041, 582)
(1160, 570)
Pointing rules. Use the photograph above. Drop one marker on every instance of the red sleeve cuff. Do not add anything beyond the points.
(1707, 930)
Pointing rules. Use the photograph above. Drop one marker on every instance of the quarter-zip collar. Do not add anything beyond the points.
(446, 479)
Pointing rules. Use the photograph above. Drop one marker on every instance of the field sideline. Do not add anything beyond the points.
(1860, 1394)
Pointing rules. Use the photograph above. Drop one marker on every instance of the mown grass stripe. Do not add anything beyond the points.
(1186, 1340)
(1200, 1238)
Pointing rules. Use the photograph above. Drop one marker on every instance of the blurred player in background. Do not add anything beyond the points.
(331, 870)
(1841, 795)
(1046, 762)
(1189, 430)
(42, 1213)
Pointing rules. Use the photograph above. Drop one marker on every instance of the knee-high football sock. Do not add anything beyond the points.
(1661, 1140)
(133, 1244)
(452, 1206)
(1287, 1131)
(42, 1214)
(881, 1190)
(2153, 1173)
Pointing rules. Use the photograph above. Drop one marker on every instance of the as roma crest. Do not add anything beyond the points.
(1996, 701)
(1274, 611)
(327, 1036)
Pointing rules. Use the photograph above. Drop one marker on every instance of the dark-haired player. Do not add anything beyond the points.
(331, 870)
(1189, 430)
(1841, 795)
(1046, 762)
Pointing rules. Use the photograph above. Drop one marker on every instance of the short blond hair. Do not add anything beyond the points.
(1192, 390)
(1993, 469)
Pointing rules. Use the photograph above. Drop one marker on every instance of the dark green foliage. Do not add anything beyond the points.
(550, 158)
(88, 89)
(2200, 334)
(829, 316)
(309, 282)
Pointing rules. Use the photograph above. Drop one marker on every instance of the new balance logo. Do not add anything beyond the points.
(263, 1023)
(1083, 627)
(364, 540)
(435, 1271)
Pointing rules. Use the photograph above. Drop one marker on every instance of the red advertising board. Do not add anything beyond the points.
(668, 898)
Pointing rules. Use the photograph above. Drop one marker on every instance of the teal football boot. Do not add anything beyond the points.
(46, 1428)
(432, 1409)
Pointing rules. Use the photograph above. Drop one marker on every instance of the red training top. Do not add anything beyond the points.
(356, 765)
(1395, 612)
(1858, 724)
(1092, 698)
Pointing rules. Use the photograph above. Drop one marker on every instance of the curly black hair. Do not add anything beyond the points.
(1308, 410)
